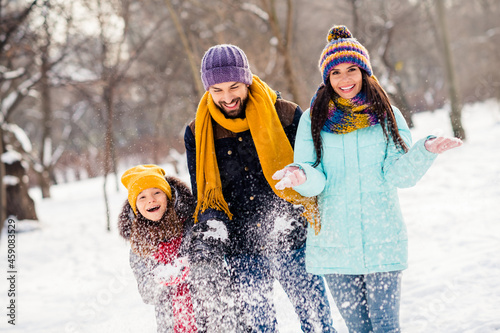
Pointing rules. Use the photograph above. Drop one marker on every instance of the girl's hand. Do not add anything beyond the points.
(441, 144)
(289, 177)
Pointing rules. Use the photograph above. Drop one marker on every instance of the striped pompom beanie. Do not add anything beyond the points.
(343, 48)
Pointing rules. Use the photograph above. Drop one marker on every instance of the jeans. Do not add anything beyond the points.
(368, 303)
(252, 279)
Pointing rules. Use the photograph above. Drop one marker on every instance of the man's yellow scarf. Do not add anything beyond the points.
(273, 148)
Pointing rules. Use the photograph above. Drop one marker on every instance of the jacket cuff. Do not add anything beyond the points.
(420, 144)
(315, 181)
(214, 214)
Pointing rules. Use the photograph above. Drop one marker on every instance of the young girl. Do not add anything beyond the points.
(353, 150)
(154, 220)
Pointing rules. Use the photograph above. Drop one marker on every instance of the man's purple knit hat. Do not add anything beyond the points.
(225, 63)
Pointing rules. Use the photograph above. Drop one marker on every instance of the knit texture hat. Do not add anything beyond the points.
(225, 63)
(142, 177)
(341, 48)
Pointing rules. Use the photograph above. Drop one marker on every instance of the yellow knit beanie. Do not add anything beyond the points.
(142, 177)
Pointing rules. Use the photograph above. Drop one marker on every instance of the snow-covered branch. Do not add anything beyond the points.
(254, 9)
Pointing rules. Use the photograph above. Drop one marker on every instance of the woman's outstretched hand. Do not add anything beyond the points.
(289, 177)
(441, 144)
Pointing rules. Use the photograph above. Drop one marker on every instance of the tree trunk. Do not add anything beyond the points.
(355, 17)
(19, 203)
(400, 97)
(195, 72)
(401, 102)
(5, 40)
(108, 99)
(406, 110)
(284, 44)
(89, 158)
(46, 108)
(156, 132)
(3, 194)
(456, 108)
(44, 182)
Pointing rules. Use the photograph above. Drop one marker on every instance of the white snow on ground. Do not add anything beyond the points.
(74, 276)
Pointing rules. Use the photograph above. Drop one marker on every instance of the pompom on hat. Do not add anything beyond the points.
(142, 177)
(342, 47)
(225, 63)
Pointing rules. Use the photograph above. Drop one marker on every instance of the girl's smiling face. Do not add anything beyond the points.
(152, 203)
(346, 80)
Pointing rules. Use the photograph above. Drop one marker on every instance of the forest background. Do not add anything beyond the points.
(88, 87)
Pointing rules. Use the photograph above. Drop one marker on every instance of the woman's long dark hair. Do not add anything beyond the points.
(377, 98)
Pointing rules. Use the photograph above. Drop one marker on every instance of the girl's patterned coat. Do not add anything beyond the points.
(151, 291)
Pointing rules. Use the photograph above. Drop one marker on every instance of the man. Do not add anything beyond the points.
(242, 134)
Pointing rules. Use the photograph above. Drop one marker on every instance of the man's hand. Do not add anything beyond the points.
(290, 177)
(209, 240)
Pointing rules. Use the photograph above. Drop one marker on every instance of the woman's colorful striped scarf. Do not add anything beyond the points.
(348, 115)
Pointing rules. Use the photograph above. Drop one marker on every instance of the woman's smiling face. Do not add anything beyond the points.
(152, 203)
(346, 80)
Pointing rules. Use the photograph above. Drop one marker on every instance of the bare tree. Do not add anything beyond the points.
(284, 40)
(456, 108)
(45, 169)
(390, 26)
(10, 23)
(18, 203)
(193, 65)
(113, 71)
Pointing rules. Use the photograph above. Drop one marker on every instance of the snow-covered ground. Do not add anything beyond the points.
(73, 275)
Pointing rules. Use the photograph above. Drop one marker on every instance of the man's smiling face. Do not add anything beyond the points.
(231, 98)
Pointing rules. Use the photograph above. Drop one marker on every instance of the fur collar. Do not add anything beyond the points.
(184, 206)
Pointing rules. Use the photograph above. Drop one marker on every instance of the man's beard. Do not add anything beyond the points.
(241, 110)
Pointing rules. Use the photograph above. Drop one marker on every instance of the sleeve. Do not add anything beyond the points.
(291, 130)
(187, 236)
(150, 291)
(190, 144)
(304, 157)
(406, 169)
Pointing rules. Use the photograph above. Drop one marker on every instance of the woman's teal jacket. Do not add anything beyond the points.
(362, 228)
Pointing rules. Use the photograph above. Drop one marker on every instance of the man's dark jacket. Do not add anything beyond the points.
(251, 200)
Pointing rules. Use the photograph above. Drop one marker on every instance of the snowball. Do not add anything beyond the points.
(217, 230)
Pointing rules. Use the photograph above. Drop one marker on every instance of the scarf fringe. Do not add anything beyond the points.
(213, 198)
(312, 214)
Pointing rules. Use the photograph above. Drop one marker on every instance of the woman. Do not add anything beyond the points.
(353, 150)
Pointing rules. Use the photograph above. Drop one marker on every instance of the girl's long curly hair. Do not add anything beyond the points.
(377, 98)
(146, 235)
